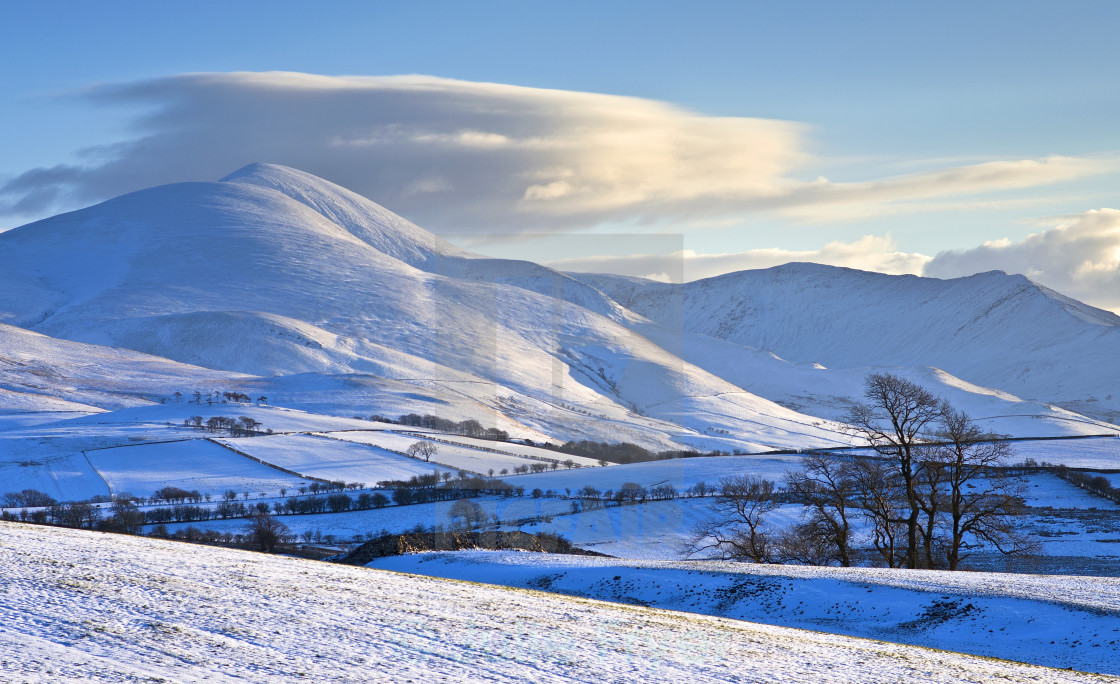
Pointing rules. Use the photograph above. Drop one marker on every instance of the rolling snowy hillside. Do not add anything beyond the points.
(1059, 621)
(115, 608)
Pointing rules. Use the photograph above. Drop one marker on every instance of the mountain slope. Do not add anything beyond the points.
(36, 371)
(396, 237)
(991, 329)
(274, 272)
(376, 226)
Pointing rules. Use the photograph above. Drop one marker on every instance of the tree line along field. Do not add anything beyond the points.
(809, 508)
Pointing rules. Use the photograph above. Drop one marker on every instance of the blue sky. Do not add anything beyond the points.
(875, 135)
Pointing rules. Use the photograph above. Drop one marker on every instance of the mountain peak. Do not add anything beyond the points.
(261, 170)
(363, 218)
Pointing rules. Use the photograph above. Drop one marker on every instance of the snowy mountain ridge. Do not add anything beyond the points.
(274, 273)
(991, 329)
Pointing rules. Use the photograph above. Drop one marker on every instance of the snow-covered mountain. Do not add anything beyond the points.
(273, 272)
(991, 329)
(334, 303)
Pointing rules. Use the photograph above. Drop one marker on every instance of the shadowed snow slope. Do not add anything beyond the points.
(1058, 621)
(35, 370)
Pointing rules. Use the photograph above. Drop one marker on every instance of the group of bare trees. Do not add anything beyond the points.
(243, 426)
(466, 428)
(216, 396)
(933, 488)
(422, 449)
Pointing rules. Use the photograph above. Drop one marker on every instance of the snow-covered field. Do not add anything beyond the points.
(1050, 491)
(1093, 452)
(195, 464)
(653, 530)
(681, 473)
(1078, 534)
(447, 456)
(531, 452)
(331, 459)
(397, 519)
(80, 607)
(1058, 621)
(51, 456)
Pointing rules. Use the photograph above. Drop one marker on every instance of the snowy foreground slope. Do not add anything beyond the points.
(1058, 621)
(78, 606)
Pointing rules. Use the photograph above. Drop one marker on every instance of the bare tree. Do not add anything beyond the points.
(470, 512)
(930, 493)
(894, 421)
(422, 449)
(249, 425)
(127, 517)
(76, 514)
(266, 532)
(734, 531)
(825, 485)
(983, 499)
(806, 543)
(631, 491)
(879, 493)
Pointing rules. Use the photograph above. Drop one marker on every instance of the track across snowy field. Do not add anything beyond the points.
(81, 606)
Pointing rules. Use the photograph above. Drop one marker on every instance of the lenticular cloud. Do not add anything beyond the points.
(460, 156)
(455, 154)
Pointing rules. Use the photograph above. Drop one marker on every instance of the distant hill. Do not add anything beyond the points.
(991, 329)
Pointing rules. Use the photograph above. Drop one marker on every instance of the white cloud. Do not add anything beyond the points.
(927, 191)
(1080, 258)
(458, 156)
(507, 157)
